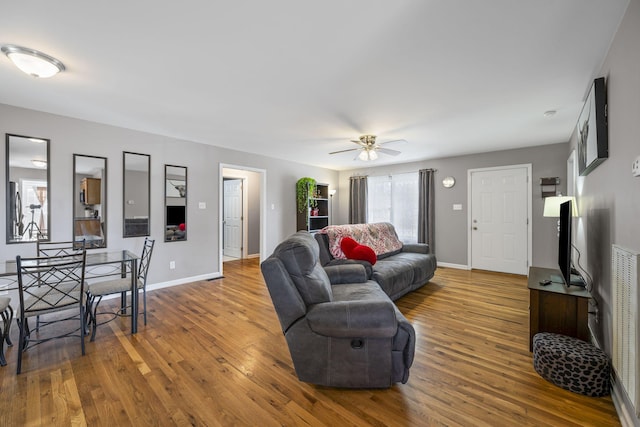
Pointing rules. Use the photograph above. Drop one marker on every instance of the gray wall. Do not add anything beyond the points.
(609, 197)
(199, 255)
(451, 226)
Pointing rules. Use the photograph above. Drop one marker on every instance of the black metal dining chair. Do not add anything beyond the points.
(49, 285)
(46, 248)
(122, 285)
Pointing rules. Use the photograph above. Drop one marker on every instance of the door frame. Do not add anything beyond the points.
(263, 207)
(529, 209)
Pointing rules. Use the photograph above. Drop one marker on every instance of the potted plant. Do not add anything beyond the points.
(304, 188)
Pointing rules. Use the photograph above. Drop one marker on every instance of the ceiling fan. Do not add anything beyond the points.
(369, 149)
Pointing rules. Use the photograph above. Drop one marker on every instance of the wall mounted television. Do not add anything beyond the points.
(176, 215)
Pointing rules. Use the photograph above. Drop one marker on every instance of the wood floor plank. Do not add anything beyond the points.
(213, 354)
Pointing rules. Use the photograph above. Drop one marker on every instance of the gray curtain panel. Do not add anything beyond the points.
(426, 209)
(358, 200)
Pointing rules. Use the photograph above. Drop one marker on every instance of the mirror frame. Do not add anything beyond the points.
(103, 201)
(8, 199)
(174, 234)
(125, 202)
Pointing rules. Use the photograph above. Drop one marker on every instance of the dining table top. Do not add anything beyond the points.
(9, 268)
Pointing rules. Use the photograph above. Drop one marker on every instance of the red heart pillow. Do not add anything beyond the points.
(354, 250)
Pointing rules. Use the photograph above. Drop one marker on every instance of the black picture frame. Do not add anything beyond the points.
(592, 129)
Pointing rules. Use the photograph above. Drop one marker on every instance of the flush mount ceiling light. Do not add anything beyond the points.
(39, 163)
(33, 62)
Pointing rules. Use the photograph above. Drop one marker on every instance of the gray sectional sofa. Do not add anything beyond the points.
(400, 268)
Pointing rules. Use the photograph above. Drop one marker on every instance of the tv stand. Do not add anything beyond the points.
(555, 307)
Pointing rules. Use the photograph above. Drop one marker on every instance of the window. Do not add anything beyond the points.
(394, 199)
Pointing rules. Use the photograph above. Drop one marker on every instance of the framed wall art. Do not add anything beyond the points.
(592, 131)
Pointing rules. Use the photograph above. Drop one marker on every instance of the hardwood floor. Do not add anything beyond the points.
(213, 354)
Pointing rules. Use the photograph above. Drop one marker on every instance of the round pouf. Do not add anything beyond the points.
(572, 364)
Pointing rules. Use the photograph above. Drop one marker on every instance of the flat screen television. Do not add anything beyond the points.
(175, 215)
(564, 247)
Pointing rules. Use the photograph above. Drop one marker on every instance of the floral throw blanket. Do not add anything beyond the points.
(381, 237)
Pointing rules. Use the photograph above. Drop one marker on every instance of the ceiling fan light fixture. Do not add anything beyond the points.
(33, 62)
(366, 155)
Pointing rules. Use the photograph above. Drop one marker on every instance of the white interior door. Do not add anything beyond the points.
(232, 218)
(499, 219)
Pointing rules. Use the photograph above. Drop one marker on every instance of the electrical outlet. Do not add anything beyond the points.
(635, 167)
(172, 265)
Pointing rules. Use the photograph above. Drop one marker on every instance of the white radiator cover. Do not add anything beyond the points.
(624, 279)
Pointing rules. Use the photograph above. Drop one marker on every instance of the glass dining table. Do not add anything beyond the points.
(98, 264)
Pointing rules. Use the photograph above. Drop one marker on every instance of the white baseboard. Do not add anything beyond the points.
(253, 256)
(450, 265)
(182, 281)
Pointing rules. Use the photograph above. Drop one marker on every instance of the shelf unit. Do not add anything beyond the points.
(313, 223)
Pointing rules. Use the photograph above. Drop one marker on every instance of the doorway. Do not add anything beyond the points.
(500, 237)
(242, 212)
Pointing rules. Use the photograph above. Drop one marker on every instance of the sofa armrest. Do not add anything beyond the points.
(346, 273)
(366, 264)
(419, 248)
(354, 319)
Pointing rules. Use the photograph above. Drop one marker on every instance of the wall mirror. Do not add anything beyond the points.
(27, 167)
(175, 203)
(89, 201)
(136, 188)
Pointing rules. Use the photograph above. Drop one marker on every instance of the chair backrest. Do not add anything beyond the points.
(53, 249)
(145, 259)
(48, 284)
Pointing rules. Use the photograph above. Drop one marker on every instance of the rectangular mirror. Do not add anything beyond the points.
(27, 178)
(175, 203)
(136, 190)
(89, 201)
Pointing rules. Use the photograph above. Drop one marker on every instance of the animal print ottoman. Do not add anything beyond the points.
(572, 364)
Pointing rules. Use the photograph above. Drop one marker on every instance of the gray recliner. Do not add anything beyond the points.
(342, 329)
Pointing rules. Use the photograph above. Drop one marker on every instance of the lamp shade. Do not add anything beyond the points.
(552, 206)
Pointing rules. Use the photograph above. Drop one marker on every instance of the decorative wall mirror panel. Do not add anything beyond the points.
(90, 201)
(136, 190)
(27, 178)
(175, 203)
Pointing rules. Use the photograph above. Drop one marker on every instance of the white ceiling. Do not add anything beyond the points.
(298, 79)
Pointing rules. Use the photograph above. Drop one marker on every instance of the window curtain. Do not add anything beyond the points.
(426, 208)
(41, 193)
(357, 200)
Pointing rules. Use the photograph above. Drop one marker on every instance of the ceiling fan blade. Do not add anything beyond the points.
(360, 143)
(344, 151)
(404, 141)
(388, 151)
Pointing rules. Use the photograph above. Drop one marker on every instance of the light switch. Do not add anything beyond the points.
(457, 206)
(202, 205)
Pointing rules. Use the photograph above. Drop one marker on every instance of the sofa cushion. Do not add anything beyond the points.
(354, 250)
(299, 255)
(381, 237)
